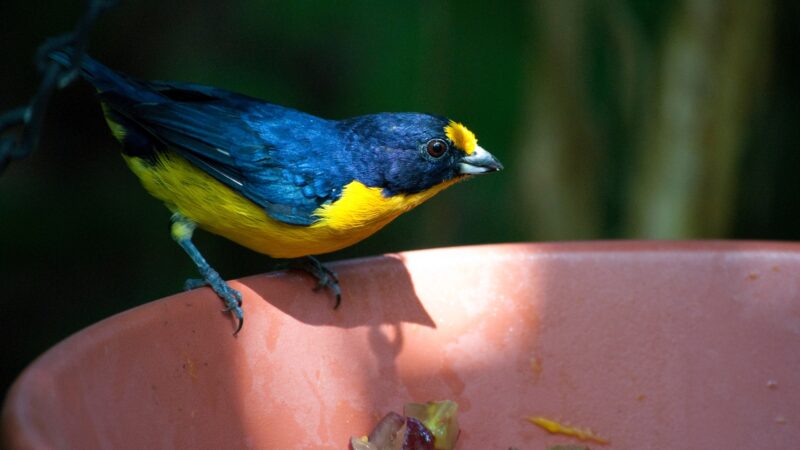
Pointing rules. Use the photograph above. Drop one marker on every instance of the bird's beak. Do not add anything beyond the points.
(480, 161)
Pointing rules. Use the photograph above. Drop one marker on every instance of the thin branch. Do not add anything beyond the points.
(20, 128)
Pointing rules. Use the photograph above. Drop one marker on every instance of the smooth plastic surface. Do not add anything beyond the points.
(649, 344)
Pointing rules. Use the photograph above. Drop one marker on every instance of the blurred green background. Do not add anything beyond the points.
(614, 118)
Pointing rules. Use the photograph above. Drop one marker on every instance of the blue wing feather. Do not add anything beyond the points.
(266, 152)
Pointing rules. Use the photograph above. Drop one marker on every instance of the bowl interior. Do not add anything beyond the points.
(648, 345)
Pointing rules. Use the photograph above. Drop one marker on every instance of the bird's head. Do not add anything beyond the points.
(406, 153)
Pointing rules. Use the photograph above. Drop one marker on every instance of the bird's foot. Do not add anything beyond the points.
(326, 278)
(230, 296)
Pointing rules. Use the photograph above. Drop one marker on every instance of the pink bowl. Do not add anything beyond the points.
(648, 344)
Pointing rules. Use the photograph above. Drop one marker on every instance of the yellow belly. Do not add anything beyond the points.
(359, 212)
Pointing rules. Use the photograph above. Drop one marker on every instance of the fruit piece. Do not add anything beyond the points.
(417, 437)
(441, 418)
(388, 433)
(425, 426)
(554, 427)
(361, 444)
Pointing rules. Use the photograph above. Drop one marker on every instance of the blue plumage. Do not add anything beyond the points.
(277, 180)
(286, 161)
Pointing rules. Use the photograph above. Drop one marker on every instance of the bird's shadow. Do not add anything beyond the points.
(378, 295)
(375, 291)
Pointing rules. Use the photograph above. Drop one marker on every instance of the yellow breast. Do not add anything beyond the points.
(359, 212)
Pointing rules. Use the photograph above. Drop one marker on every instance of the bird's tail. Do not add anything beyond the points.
(117, 93)
(104, 79)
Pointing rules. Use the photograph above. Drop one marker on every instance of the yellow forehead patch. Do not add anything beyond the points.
(461, 137)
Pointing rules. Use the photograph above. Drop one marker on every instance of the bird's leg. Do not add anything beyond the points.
(326, 278)
(182, 230)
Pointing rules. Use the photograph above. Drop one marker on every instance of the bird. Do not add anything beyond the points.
(271, 178)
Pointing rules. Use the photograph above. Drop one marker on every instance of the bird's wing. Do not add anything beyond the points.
(254, 148)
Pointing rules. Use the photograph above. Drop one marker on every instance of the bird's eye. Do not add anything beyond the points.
(436, 147)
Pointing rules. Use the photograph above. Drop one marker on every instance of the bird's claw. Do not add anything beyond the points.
(233, 303)
(194, 283)
(231, 297)
(326, 278)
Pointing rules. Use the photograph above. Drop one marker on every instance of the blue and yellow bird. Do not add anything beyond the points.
(273, 179)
